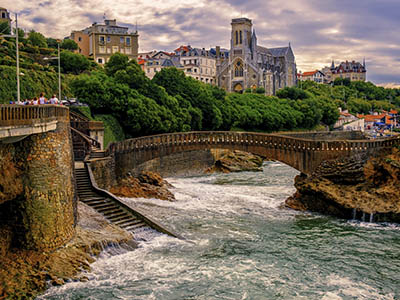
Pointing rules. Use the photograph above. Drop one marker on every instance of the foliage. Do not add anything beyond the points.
(113, 131)
(52, 43)
(37, 39)
(4, 28)
(73, 62)
(69, 44)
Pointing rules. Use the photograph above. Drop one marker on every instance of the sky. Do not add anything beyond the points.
(319, 31)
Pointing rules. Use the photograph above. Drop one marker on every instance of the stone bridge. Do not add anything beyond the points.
(303, 154)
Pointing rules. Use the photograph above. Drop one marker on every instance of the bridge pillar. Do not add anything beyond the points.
(41, 212)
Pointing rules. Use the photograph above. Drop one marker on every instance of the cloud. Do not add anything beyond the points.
(319, 31)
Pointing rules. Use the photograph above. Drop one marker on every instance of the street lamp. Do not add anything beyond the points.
(59, 68)
(17, 50)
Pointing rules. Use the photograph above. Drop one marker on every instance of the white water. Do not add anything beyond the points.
(242, 245)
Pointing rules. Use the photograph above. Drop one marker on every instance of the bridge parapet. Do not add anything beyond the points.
(19, 115)
(302, 154)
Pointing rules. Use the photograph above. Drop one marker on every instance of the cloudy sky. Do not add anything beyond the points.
(318, 31)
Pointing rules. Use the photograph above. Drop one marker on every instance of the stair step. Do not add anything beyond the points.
(103, 205)
(136, 226)
(129, 223)
(115, 215)
(110, 212)
(119, 217)
(95, 199)
(93, 204)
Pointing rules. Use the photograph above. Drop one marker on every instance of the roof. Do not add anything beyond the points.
(183, 48)
(263, 50)
(278, 52)
(373, 118)
(393, 112)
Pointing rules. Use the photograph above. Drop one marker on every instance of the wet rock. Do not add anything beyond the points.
(235, 161)
(24, 274)
(146, 185)
(344, 186)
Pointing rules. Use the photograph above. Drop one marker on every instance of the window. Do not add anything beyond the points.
(108, 39)
(121, 40)
(237, 38)
(109, 50)
(3, 15)
(241, 37)
(239, 69)
(128, 50)
(100, 60)
(101, 39)
(115, 49)
(79, 39)
(128, 41)
(102, 49)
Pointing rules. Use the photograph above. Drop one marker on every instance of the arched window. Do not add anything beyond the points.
(241, 38)
(237, 38)
(239, 69)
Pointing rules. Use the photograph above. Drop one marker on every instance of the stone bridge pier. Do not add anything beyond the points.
(37, 180)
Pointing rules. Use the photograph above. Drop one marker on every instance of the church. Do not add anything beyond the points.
(253, 66)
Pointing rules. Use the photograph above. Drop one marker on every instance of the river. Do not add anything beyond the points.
(242, 245)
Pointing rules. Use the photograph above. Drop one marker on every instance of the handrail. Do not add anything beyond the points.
(249, 138)
(19, 115)
(88, 139)
(153, 224)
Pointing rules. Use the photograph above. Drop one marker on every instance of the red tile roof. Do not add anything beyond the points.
(309, 73)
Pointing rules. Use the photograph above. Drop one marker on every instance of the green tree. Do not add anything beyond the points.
(37, 39)
(69, 44)
(52, 43)
(117, 62)
(73, 63)
(4, 28)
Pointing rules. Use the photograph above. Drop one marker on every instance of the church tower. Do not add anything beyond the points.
(241, 52)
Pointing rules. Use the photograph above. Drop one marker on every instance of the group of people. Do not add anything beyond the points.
(38, 101)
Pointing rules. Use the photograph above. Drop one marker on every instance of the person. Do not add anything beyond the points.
(53, 100)
(35, 101)
(42, 99)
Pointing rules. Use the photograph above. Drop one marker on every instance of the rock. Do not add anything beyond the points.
(235, 161)
(24, 274)
(344, 186)
(146, 185)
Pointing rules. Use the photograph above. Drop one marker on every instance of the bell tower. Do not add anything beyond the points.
(241, 37)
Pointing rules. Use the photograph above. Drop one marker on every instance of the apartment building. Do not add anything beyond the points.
(100, 41)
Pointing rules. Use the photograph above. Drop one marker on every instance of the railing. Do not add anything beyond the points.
(20, 115)
(251, 139)
(83, 144)
(83, 124)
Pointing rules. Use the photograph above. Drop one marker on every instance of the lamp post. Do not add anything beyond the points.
(59, 69)
(17, 54)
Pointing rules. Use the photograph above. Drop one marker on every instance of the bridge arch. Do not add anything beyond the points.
(301, 154)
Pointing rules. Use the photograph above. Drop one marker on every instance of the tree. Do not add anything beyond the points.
(37, 39)
(4, 28)
(52, 43)
(117, 62)
(292, 93)
(73, 62)
(69, 44)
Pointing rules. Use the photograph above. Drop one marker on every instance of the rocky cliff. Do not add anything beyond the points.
(357, 187)
(227, 161)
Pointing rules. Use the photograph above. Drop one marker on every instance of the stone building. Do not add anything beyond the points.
(253, 66)
(101, 41)
(198, 63)
(355, 71)
(5, 16)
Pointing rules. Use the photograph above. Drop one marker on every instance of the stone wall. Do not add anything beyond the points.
(37, 193)
(104, 172)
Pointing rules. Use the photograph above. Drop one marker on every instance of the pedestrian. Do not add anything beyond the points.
(53, 100)
(42, 99)
(35, 101)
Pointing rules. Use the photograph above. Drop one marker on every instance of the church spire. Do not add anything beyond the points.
(333, 64)
(364, 65)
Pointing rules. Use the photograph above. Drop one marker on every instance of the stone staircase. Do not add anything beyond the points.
(96, 153)
(110, 208)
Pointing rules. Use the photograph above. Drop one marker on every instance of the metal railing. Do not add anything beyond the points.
(22, 115)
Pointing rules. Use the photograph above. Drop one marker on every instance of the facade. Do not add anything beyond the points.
(355, 71)
(316, 76)
(253, 66)
(151, 66)
(198, 63)
(5, 16)
(103, 40)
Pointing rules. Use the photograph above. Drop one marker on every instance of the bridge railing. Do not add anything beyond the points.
(246, 138)
(19, 115)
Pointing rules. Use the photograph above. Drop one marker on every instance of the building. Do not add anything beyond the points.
(253, 66)
(316, 76)
(100, 41)
(151, 66)
(348, 121)
(353, 70)
(5, 16)
(198, 63)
